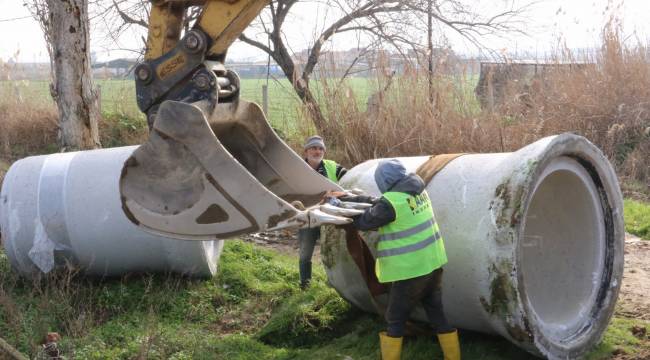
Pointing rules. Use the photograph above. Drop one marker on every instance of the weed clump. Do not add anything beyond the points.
(637, 218)
(307, 318)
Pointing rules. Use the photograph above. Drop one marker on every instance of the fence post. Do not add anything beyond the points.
(265, 99)
(98, 92)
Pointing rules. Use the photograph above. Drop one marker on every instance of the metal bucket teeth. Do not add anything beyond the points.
(198, 179)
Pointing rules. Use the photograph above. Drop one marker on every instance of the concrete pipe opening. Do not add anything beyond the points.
(534, 240)
(561, 249)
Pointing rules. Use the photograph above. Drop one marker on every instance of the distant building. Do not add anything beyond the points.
(255, 69)
(24, 71)
(123, 68)
(118, 68)
(499, 81)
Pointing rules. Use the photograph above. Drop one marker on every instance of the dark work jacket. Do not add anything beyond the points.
(382, 212)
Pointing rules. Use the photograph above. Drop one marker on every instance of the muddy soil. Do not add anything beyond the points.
(284, 242)
(634, 298)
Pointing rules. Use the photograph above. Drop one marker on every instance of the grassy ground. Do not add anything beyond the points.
(637, 218)
(251, 310)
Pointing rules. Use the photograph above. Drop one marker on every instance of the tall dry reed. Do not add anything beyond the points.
(26, 129)
(27, 125)
(607, 100)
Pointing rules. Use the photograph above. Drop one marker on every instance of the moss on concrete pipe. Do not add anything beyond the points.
(65, 208)
(534, 240)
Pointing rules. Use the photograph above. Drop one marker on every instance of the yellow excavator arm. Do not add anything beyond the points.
(174, 68)
(212, 167)
(222, 21)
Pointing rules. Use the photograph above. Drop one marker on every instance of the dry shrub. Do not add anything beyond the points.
(27, 128)
(27, 125)
(607, 101)
(402, 120)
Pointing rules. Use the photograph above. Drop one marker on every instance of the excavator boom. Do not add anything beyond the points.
(212, 167)
(222, 21)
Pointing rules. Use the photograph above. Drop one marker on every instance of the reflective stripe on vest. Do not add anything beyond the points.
(402, 234)
(411, 245)
(409, 248)
(330, 169)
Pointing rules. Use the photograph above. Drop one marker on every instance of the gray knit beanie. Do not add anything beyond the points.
(314, 141)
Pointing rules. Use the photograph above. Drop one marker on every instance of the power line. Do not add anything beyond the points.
(18, 18)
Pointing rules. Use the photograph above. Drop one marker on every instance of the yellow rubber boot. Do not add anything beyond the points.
(450, 345)
(391, 347)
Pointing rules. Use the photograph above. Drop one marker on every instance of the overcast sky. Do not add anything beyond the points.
(578, 22)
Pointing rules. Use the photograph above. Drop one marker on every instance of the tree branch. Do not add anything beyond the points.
(369, 9)
(127, 19)
(256, 44)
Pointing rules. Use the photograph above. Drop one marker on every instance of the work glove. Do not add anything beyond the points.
(340, 210)
(331, 210)
(311, 217)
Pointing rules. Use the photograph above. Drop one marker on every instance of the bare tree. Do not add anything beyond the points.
(355, 16)
(118, 18)
(66, 29)
(392, 22)
(385, 23)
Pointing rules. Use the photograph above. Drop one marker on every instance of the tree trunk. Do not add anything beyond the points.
(72, 86)
(301, 86)
(302, 89)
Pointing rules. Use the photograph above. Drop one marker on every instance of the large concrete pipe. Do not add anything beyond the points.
(65, 208)
(534, 240)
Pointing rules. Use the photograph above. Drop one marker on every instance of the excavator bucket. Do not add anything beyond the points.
(201, 178)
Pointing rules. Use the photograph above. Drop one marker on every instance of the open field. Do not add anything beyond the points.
(118, 96)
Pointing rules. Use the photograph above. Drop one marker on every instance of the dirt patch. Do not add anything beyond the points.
(634, 298)
(283, 241)
(247, 320)
(636, 191)
(620, 354)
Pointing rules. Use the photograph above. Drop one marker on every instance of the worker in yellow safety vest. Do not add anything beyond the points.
(410, 255)
(314, 153)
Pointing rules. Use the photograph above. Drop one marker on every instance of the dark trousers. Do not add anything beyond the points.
(405, 295)
(307, 240)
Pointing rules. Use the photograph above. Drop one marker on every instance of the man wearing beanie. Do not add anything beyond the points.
(314, 152)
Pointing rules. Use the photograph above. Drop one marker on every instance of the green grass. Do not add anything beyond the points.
(32, 91)
(253, 309)
(169, 316)
(637, 218)
(619, 337)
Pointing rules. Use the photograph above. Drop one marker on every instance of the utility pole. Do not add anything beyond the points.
(430, 49)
